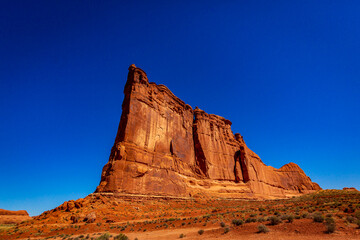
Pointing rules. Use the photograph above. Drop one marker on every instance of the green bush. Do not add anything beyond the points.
(237, 222)
(274, 220)
(350, 219)
(290, 218)
(249, 220)
(329, 220)
(182, 235)
(262, 229)
(222, 224)
(330, 227)
(226, 230)
(318, 217)
(357, 214)
(105, 236)
(121, 237)
(200, 231)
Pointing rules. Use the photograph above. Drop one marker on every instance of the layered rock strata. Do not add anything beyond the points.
(165, 148)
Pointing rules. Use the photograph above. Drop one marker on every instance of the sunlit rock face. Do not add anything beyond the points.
(165, 148)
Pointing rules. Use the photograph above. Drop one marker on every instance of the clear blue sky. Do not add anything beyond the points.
(286, 73)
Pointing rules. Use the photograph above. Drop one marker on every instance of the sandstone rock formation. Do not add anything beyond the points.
(17, 213)
(350, 189)
(10, 217)
(164, 147)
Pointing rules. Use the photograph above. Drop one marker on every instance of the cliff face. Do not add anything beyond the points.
(215, 145)
(164, 147)
(154, 141)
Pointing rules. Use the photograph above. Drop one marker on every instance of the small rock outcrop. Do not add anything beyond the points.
(164, 147)
(350, 189)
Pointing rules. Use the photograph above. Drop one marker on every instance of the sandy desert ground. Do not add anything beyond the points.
(327, 214)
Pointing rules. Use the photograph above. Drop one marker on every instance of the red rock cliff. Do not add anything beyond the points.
(164, 147)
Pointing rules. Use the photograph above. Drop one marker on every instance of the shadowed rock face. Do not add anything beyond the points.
(164, 147)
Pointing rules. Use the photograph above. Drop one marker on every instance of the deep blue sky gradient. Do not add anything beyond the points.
(286, 73)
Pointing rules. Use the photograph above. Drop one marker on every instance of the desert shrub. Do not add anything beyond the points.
(274, 220)
(290, 218)
(339, 216)
(222, 224)
(330, 226)
(121, 237)
(249, 220)
(357, 214)
(358, 223)
(226, 230)
(350, 219)
(304, 215)
(237, 222)
(262, 229)
(261, 219)
(261, 209)
(182, 235)
(318, 217)
(200, 231)
(329, 220)
(105, 236)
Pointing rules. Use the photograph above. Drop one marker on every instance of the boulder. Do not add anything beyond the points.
(90, 218)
